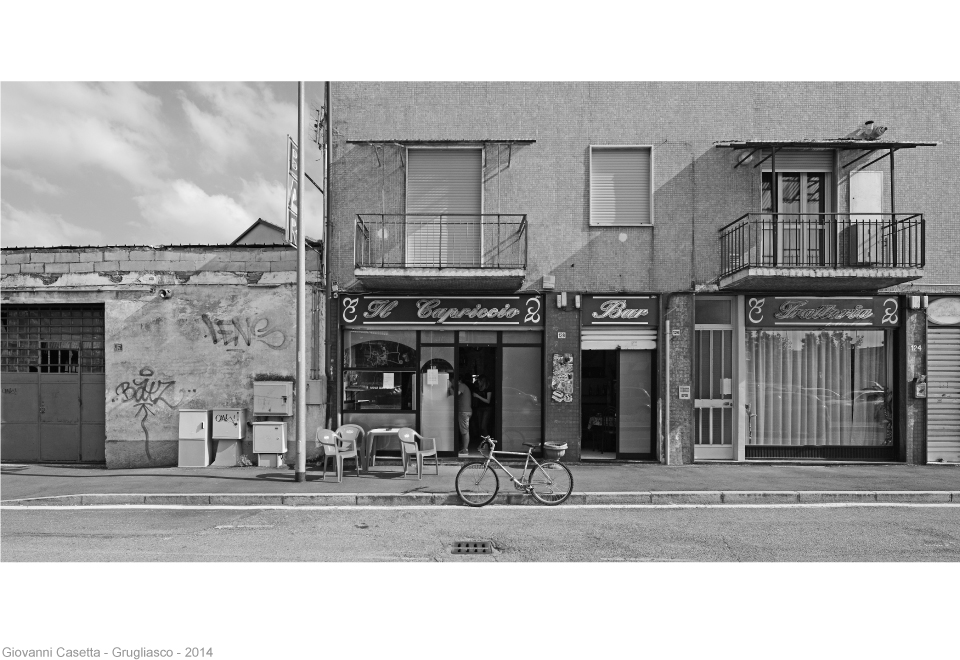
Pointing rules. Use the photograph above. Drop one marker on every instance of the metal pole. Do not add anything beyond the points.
(666, 399)
(300, 473)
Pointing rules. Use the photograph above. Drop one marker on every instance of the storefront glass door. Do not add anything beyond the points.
(617, 404)
(437, 395)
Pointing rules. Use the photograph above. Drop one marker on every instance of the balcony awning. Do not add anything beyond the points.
(441, 141)
(840, 144)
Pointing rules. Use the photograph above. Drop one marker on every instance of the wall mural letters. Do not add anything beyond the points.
(146, 394)
(246, 329)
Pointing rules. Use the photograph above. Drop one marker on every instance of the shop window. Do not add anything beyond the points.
(621, 186)
(380, 350)
(819, 387)
(378, 390)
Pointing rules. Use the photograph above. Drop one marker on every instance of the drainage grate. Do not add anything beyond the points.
(472, 548)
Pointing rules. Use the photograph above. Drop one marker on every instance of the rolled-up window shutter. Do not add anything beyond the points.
(801, 161)
(620, 191)
(443, 181)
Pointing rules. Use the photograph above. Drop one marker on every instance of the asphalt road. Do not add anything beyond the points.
(565, 533)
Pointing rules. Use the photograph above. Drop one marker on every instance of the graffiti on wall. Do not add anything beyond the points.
(148, 395)
(245, 329)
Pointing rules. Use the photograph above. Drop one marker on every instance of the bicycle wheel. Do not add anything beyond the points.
(551, 483)
(477, 484)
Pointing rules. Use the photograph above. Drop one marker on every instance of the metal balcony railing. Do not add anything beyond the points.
(448, 240)
(822, 240)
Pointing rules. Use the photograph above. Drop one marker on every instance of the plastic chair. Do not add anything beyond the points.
(409, 449)
(352, 433)
(333, 447)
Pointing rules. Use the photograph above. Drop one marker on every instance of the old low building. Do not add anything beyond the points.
(102, 346)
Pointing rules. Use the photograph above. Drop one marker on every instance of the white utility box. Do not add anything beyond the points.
(193, 449)
(229, 428)
(229, 423)
(273, 397)
(269, 438)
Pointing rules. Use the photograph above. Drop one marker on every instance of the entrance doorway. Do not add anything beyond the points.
(478, 364)
(617, 418)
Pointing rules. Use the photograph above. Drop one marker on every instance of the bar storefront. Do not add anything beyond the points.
(403, 356)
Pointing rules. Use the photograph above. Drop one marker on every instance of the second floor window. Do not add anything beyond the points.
(443, 206)
(621, 185)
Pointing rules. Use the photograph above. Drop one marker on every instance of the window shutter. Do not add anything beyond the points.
(439, 182)
(620, 186)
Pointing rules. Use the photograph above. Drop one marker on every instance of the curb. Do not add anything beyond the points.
(657, 498)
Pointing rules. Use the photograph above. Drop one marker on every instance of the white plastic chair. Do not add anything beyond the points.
(335, 447)
(410, 449)
(352, 433)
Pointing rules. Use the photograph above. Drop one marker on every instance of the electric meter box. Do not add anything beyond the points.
(193, 448)
(229, 423)
(273, 397)
(269, 438)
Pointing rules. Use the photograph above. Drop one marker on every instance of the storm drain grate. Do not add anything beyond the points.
(472, 548)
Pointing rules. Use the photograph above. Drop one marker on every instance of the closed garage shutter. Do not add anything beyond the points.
(442, 182)
(943, 394)
(608, 339)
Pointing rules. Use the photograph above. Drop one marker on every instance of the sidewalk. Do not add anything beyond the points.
(619, 483)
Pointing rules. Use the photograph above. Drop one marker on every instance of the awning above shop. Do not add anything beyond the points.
(840, 144)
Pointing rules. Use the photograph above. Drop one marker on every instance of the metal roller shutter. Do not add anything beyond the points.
(439, 182)
(620, 186)
(943, 394)
(608, 339)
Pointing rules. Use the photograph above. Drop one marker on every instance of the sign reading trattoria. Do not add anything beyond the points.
(618, 310)
(514, 311)
(869, 311)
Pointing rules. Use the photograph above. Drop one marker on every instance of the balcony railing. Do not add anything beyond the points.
(449, 240)
(822, 240)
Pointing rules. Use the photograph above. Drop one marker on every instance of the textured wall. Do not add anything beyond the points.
(230, 317)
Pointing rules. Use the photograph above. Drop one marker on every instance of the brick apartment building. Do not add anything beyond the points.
(675, 272)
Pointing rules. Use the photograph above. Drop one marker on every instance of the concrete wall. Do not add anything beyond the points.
(185, 328)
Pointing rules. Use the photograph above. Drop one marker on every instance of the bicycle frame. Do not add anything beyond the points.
(526, 465)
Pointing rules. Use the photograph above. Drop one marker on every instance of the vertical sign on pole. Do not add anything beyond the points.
(293, 201)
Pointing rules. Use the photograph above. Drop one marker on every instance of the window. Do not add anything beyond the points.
(443, 206)
(621, 186)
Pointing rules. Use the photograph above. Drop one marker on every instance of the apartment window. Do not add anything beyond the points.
(621, 185)
(443, 206)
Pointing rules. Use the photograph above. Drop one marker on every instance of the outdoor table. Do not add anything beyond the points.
(370, 440)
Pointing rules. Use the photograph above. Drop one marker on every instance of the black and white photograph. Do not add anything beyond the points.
(484, 355)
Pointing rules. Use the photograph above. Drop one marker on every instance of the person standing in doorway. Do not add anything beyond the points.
(464, 412)
(483, 405)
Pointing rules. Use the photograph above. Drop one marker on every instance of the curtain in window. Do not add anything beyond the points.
(818, 387)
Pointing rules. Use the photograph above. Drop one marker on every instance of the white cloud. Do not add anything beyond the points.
(68, 126)
(35, 181)
(181, 212)
(237, 119)
(267, 200)
(40, 229)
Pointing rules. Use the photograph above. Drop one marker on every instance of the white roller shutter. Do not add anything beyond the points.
(608, 339)
(943, 393)
(440, 182)
(801, 161)
(620, 186)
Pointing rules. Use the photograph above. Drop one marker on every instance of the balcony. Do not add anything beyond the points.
(821, 251)
(486, 252)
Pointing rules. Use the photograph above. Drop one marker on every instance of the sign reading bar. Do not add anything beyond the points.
(869, 311)
(619, 310)
(427, 310)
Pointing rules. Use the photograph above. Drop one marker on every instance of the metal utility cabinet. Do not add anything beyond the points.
(193, 450)
(269, 443)
(273, 398)
(229, 429)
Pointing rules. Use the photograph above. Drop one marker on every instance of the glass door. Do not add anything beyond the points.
(635, 404)
(796, 236)
(437, 395)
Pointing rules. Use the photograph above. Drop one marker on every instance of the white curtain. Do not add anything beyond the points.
(818, 387)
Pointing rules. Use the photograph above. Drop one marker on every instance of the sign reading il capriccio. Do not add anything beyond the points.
(875, 311)
(618, 310)
(429, 310)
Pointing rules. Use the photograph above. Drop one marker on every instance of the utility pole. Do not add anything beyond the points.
(300, 473)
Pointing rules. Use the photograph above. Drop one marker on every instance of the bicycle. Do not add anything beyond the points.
(550, 482)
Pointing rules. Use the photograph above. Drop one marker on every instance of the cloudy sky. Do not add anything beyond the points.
(147, 163)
